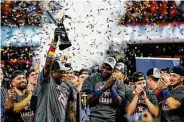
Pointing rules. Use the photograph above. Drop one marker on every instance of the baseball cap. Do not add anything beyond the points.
(166, 70)
(121, 67)
(110, 61)
(137, 76)
(155, 72)
(17, 73)
(178, 70)
(60, 66)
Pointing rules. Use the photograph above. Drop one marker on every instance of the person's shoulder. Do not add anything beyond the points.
(94, 76)
(3, 89)
(67, 82)
(150, 92)
(179, 89)
(182, 87)
(129, 88)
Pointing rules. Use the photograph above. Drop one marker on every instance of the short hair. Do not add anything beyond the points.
(137, 76)
(29, 72)
(16, 73)
(153, 78)
(84, 70)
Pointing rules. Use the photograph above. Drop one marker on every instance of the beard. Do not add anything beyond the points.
(57, 80)
(106, 75)
(175, 85)
(22, 87)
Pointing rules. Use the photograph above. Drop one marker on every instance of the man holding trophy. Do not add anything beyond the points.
(52, 94)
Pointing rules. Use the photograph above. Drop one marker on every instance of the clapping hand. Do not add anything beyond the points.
(166, 78)
(138, 91)
(162, 84)
(11, 95)
(109, 83)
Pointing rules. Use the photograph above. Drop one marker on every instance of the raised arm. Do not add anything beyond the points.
(49, 58)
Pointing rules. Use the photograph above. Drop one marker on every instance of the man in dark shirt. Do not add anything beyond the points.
(53, 93)
(142, 99)
(153, 75)
(3, 97)
(20, 110)
(104, 92)
(173, 100)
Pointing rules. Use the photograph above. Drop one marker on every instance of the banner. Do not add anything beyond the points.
(143, 64)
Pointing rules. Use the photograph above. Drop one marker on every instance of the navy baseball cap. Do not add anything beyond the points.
(178, 70)
(138, 76)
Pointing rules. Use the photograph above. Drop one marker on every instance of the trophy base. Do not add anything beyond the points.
(64, 45)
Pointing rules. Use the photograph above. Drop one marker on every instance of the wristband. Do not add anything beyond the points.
(165, 93)
(52, 48)
(54, 44)
(88, 91)
(51, 52)
(114, 94)
(98, 93)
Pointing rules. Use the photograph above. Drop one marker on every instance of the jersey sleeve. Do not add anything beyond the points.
(128, 97)
(41, 83)
(121, 89)
(153, 98)
(41, 78)
(179, 95)
(87, 86)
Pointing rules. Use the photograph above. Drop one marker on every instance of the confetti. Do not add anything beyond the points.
(91, 29)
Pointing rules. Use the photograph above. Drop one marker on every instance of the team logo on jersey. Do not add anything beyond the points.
(105, 98)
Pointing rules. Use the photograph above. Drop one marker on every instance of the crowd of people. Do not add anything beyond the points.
(19, 13)
(145, 12)
(52, 93)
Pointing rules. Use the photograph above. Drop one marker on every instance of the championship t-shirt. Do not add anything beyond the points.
(52, 99)
(26, 115)
(177, 115)
(141, 104)
(104, 108)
